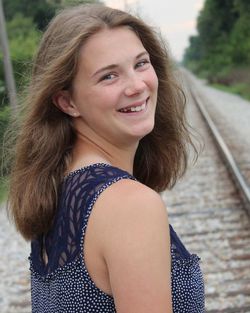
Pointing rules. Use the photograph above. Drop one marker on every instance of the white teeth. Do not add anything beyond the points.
(135, 109)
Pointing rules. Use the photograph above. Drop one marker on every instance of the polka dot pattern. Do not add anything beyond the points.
(64, 284)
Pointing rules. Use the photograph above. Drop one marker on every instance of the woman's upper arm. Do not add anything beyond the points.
(136, 248)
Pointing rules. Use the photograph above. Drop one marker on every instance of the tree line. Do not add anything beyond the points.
(221, 49)
(25, 21)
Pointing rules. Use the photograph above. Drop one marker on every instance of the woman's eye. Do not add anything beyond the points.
(108, 77)
(142, 63)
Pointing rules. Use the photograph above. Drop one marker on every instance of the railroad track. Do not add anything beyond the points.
(231, 153)
(208, 212)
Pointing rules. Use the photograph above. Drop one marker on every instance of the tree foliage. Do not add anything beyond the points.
(223, 40)
(26, 19)
(41, 11)
(23, 39)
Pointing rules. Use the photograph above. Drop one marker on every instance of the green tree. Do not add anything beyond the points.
(23, 41)
(41, 11)
(65, 3)
(25, 21)
(193, 55)
(215, 24)
(240, 36)
(221, 50)
(223, 35)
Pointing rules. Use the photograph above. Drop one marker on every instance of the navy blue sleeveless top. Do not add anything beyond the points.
(64, 285)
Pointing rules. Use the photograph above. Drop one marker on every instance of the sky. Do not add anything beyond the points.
(176, 19)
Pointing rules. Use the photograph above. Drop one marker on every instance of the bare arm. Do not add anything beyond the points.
(136, 247)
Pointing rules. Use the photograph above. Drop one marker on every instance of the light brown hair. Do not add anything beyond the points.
(45, 140)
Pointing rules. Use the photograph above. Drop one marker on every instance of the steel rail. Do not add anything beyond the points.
(231, 164)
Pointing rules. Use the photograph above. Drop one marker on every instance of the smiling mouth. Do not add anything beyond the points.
(137, 108)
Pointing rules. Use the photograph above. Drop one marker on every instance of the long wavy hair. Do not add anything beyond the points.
(46, 137)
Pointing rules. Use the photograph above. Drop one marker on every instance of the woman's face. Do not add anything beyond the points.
(115, 89)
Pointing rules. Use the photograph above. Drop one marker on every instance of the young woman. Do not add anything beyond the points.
(104, 132)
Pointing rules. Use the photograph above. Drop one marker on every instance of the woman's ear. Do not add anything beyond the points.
(63, 101)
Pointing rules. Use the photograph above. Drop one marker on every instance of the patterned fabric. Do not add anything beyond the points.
(64, 284)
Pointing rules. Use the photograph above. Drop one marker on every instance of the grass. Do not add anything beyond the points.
(241, 89)
(235, 79)
(3, 189)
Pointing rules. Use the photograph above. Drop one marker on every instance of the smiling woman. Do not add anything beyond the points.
(104, 132)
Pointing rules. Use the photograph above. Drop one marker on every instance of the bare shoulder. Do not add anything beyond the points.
(134, 193)
(136, 247)
(127, 203)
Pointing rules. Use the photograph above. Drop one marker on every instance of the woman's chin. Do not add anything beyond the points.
(142, 132)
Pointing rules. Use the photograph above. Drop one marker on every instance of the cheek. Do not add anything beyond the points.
(153, 81)
(106, 98)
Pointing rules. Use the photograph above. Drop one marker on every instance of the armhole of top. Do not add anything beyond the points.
(85, 224)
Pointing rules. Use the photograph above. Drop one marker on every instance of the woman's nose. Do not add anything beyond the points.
(134, 85)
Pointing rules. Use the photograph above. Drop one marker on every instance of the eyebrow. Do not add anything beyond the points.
(112, 66)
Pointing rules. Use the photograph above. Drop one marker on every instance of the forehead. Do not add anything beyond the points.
(110, 46)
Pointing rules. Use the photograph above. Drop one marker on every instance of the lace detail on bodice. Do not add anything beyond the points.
(78, 193)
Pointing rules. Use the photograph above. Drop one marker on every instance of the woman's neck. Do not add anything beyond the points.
(87, 151)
